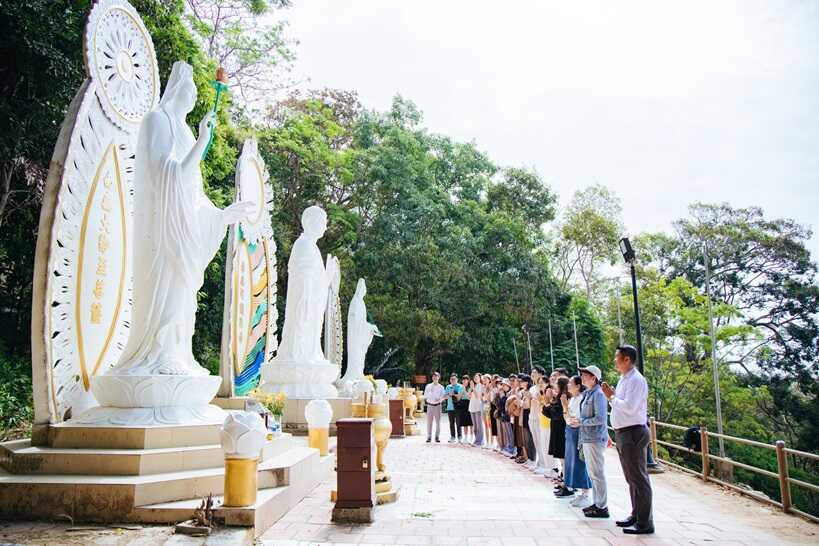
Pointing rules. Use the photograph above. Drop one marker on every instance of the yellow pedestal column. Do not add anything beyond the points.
(240, 482)
(319, 438)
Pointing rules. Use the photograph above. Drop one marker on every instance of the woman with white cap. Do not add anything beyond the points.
(594, 437)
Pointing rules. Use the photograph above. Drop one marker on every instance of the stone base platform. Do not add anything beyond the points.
(147, 475)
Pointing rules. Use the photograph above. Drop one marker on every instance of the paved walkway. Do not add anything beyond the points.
(459, 495)
(454, 494)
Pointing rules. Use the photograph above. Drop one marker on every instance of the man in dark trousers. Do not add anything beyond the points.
(629, 415)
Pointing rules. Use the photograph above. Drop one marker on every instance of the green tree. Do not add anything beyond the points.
(587, 237)
(241, 37)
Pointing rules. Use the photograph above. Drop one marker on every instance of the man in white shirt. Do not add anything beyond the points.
(434, 394)
(629, 415)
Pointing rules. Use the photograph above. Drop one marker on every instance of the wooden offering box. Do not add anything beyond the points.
(397, 418)
(356, 463)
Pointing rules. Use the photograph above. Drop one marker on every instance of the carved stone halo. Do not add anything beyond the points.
(120, 58)
(254, 185)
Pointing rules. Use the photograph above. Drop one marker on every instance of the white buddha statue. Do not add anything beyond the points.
(300, 368)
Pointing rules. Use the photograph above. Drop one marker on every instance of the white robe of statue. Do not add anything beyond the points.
(300, 368)
(177, 232)
(360, 334)
(307, 289)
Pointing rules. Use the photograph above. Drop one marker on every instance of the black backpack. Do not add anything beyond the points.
(692, 439)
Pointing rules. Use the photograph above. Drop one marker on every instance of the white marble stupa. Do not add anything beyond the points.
(300, 369)
(156, 379)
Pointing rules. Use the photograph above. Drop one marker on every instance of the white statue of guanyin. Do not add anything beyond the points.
(300, 369)
(177, 232)
(360, 333)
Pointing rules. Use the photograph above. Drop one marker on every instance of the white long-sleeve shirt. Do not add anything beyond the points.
(629, 405)
(434, 393)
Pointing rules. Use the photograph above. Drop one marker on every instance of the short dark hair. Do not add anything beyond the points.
(513, 376)
(453, 374)
(436, 373)
(539, 369)
(562, 371)
(524, 377)
(628, 351)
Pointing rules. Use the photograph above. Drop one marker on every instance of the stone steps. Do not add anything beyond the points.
(112, 498)
(70, 436)
(20, 457)
(271, 503)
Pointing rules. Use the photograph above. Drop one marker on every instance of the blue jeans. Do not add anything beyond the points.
(477, 426)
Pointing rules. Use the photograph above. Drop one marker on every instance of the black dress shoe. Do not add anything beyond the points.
(589, 508)
(597, 513)
(628, 522)
(564, 492)
(633, 530)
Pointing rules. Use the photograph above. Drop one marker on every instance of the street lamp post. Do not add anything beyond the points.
(619, 316)
(576, 349)
(629, 256)
(551, 350)
(528, 343)
(714, 365)
(517, 362)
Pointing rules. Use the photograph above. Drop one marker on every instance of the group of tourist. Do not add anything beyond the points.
(556, 425)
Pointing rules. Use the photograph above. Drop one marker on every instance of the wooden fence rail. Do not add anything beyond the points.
(782, 474)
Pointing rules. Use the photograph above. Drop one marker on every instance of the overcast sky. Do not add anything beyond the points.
(664, 103)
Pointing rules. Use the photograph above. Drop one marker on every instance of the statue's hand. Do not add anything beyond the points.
(208, 121)
(237, 211)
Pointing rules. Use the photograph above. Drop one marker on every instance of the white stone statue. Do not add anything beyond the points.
(178, 232)
(300, 369)
(360, 333)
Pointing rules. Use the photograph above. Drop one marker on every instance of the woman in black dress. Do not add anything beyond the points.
(462, 409)
(557, 435)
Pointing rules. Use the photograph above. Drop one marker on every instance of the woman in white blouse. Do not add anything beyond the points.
(476, 409)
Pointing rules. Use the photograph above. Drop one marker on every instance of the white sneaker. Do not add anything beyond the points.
(540, 471)
(581, 501)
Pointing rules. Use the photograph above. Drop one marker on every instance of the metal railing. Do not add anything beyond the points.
(782, 475)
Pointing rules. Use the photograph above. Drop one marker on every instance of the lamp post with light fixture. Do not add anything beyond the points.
(628, 255)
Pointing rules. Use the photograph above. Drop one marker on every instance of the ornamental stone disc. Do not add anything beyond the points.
(82, 286)
(120, 58)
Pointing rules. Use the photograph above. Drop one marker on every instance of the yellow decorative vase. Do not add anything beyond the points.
(319, 438)
(240, 482)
